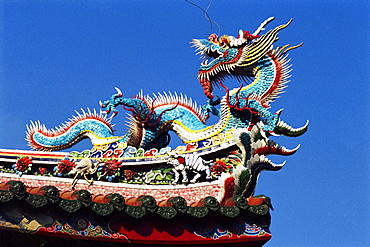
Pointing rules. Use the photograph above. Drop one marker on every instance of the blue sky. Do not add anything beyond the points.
(60, 56)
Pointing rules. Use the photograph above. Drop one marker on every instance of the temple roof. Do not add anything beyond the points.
(137, 207)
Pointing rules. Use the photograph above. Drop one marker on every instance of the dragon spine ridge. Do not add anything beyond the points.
(158, 100)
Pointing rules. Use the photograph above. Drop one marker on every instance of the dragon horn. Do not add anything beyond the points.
(262, 26)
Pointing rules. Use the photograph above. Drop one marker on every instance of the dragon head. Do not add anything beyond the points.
(229, 56)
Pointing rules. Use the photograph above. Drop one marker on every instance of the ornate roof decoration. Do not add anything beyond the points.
(213, 173)
(137, 207)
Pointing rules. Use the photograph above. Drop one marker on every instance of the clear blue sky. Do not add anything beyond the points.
(58, 56)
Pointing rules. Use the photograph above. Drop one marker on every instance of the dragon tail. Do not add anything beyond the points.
(89, 124)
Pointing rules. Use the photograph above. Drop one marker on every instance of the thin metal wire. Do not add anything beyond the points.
(207, 15)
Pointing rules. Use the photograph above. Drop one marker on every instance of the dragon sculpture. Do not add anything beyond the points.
(244, 116)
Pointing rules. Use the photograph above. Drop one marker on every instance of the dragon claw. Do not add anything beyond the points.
(101, 104)
(114, 113)
(111, 104)
(119, 92)
(214, 102)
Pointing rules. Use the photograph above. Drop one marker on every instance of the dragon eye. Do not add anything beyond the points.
(223, 43)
